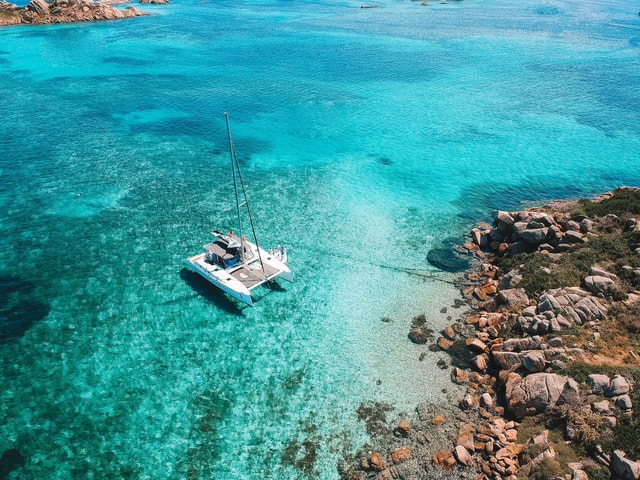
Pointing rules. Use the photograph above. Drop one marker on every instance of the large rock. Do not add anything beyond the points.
(618, 386)
(401, 454)
(465, 439)
(376, 461)
(420, 335)
(624, 468)
(600, 272)
(462, 456)
(543, 218)
(403, 428)
(586, 225)
(591, 308)
(486, 400)
(514, 297)
(573, 236)
(506, 360)
(601, 407)
(476, 345)
(598, 383)
(538, 392)
(460, 376)
(38, 6)
(510, 279)
(504, 217)
(624, 402)
(579, 475)
(598, 284)
(445, 459)
(534, 361)
(522, 344)
(535, 236)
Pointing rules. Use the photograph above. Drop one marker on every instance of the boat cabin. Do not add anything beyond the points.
(224, 250)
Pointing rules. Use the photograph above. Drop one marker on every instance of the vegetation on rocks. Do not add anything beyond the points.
(609, 243)
(549, 355)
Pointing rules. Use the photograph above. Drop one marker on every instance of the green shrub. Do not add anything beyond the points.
(535, 279)
(625, 437)
(580, 371)
(546, 469)
(582, 425)
(624, 200)
(610, 251)
(531, 451)
(596, 472)
(629, 317)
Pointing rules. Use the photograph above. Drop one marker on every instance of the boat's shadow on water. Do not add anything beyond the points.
(212, 294)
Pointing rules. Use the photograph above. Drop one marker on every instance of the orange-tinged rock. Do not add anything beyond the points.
(490, 289)
(401, 454)
(437, 420)
(444, 344)
(376, 461)
(444, 459)
(479, 293)
(472, 319)
(465, 439)
(476, 345)
(449, 333)
(459, 375)
(404, 428)
(511, 434)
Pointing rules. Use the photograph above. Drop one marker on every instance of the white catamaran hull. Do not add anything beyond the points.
(238, 281)
(232, 263)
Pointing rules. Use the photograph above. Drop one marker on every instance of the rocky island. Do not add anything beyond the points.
(547, 355)
(39, 12)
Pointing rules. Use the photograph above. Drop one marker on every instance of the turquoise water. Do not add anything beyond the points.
(368, 137)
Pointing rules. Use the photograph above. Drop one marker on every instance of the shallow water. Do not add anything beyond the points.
(368, 138)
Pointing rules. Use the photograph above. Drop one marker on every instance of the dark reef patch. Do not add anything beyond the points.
(303, 454)
(547, 10)
(135, 62)
(9, 460)
(293, 380)
(210, 408)
(20, 309)
(374, 415)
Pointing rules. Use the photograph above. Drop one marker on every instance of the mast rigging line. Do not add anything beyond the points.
(237, 173)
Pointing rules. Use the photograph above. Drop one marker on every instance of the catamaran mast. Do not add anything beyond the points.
(234, 167)
(237, 179)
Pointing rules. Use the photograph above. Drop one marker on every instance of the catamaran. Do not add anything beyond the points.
(231, 262)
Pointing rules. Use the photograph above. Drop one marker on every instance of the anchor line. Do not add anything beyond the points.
(406, 270)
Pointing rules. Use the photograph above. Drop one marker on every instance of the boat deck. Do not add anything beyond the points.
(250, 275)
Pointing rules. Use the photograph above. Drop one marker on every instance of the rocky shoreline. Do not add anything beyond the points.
(547, 355)
(40, 12)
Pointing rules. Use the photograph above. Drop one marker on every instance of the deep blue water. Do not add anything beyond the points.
(368, 138)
